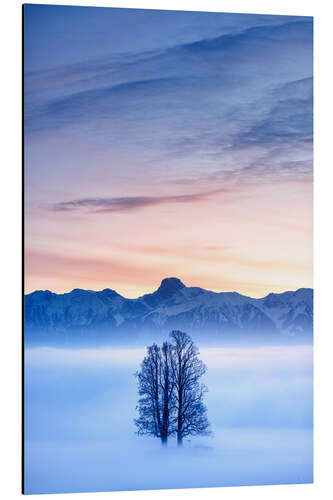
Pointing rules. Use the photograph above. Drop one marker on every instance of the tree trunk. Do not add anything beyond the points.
(164, 441)
(179, 440)
(179, 419)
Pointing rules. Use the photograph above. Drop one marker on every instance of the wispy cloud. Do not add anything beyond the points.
(128, 203)
(212, 102)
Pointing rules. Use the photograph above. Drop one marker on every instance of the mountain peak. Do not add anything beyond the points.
(107, 292)
(169, 286)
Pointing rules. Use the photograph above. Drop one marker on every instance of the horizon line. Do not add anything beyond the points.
(168, 278)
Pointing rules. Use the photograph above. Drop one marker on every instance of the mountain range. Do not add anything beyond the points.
(105, 316)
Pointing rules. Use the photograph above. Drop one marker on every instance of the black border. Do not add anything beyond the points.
(22, 257)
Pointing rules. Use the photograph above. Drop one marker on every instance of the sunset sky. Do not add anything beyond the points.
(162, 143)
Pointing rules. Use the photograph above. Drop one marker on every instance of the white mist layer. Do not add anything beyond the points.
(267, 356)
(80, 436)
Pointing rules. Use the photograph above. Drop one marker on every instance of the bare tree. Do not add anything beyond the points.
(156, 390)
(187, 369)
(171, 395)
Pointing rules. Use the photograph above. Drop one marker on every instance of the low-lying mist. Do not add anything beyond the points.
(80, 435)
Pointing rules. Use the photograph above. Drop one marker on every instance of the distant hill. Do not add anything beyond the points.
(89, 316)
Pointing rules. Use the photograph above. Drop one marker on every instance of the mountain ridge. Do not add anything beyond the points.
(108, 315)
(164, 280)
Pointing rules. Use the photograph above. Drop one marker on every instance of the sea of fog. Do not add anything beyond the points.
(80, 436)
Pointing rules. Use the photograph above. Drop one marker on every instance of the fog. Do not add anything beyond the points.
(80, 436)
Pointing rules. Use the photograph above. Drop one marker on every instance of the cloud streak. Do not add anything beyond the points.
(212, 101)
(129, 203)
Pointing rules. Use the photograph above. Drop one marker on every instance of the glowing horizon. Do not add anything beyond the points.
(154, 288)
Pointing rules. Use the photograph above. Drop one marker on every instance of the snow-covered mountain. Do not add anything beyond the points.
(106, 315)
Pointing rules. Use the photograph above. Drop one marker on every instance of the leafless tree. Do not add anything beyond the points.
(187, 369)
(155, 391)
(171, 394)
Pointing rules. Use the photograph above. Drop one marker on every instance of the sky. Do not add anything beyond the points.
(165, 143)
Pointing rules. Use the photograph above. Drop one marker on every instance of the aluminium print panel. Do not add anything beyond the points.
(168, 320)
